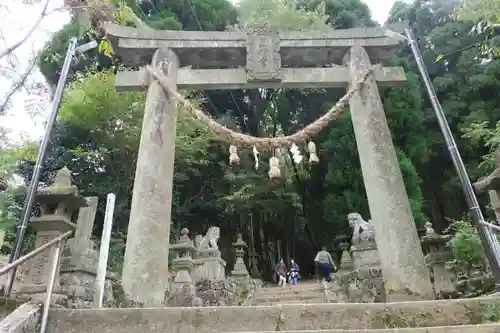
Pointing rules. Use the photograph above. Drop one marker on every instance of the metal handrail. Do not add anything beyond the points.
(57, 242)
(491, 225)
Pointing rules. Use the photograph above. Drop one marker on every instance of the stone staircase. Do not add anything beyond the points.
(303, 293)
(445, 316)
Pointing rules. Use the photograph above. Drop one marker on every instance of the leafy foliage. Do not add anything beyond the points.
(465, 244)
(479, 133)
(284, 14)
(10, 208)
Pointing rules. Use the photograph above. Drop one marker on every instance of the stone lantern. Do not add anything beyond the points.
(240, 269)
(182, 264)
(346, 263)
(57, 204)
(434, 245)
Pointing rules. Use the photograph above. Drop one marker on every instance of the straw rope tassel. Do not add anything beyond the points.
(313, 157)
(274, 168)
(234, 159)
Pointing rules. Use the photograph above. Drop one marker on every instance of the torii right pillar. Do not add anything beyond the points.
(401, 258)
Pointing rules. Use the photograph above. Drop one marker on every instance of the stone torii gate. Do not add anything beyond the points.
(267, 58)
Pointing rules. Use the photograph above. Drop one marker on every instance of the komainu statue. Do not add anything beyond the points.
(209, 241)
(362, 231)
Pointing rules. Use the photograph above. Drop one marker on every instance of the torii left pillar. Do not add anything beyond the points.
(145, 268)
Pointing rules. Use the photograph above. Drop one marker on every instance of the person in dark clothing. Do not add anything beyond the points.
(281, 273)
(325, 264)
(294, 272)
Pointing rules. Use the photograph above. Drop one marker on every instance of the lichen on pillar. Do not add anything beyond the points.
(145, 268)
(401, 259)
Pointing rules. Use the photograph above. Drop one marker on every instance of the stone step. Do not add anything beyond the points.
(289, 288)
(8, 305)
(284, 317)
(486, 328)
(306, 301)
(289, 296)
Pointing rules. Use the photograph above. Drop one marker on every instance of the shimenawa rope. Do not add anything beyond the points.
(244, 140)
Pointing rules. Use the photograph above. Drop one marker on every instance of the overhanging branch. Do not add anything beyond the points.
(33, 28)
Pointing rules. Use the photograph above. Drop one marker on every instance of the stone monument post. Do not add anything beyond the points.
(145, 278)
(401, 257)
(79, 251)
(85, 225)
(80, 259)
(57, 204)
(436, 258)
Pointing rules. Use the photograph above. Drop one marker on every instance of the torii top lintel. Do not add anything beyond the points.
(205, 49)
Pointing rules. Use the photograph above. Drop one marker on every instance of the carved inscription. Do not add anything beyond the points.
(40, 262)
(263, 54)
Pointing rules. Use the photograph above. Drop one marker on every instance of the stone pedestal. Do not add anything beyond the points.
(208, 264)
(57, 204)
(208, 268)
(364, 283)
(365, 255)
(437, 256)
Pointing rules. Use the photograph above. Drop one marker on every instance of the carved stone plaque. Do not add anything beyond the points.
(263, 56)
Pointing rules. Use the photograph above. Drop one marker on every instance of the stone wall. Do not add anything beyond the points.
(79, 287)
(216, 293)
(245, 290)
